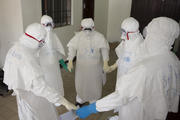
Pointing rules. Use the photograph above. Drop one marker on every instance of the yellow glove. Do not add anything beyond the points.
(106, 67)
(113, 67)
(70, 65)
(69, 106)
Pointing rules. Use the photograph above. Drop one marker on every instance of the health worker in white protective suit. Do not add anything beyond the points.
(131, 39)
(50, 55)
(88, 46)
(126, 50)
(151, 88)
(23, 74)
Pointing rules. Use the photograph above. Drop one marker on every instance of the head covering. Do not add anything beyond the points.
(34, 36)
(47, 21)
(87, 24)
(129, 27)
(161, 34)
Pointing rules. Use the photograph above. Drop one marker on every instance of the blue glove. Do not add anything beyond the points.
(86, 111)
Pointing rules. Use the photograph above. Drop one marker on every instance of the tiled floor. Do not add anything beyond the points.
(8, 106)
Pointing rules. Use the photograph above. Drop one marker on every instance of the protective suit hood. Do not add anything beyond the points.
(34, 36)
(129, 28)
(161, 34)
(52, 40)
(87, 24)
(47, 22)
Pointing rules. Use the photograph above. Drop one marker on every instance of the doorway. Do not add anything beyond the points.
(145, 10)
(88, 9)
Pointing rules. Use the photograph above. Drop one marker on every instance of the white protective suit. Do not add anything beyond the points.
(126, 50)
(131, 39)
(23, 74)
(50, 54)
(88, 46)
(151, 87)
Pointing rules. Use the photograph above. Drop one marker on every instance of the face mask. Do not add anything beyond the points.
(41, 42)
(125, 35)
(49, 28)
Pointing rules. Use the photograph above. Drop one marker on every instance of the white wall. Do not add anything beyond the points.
(10, 25)
(118, 11)
(101, 16)
(31, 10)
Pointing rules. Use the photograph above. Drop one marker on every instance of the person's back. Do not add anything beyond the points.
(161, 86)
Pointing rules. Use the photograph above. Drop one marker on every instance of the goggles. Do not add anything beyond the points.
(49, 24)
(123, 32)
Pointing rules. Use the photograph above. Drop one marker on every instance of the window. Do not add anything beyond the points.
(59, 10)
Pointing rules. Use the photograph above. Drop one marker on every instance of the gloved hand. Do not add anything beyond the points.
(106, 67)
(69, 106)
(63, 64)
(113, 67)
(86, 111)
(70, 65)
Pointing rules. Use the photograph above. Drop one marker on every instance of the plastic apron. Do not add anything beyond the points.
(89, 74)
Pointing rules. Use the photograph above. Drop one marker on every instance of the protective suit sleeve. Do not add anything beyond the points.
(73, 46)
(105, 54)
(57, 44)
(40, 88)
(128, 87)
(72, 53)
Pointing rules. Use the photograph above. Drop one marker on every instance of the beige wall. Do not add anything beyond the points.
(101, 16)
(10, 25)
(118, 11)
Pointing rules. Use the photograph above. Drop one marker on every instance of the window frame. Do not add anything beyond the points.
(59, 21)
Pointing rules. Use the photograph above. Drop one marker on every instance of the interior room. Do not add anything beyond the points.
(67, 16)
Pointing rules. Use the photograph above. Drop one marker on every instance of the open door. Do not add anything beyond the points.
(88, 9)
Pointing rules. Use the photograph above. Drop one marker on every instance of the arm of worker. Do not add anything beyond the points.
(128, 88)
(105, 55)
(40, 88)
(113, 67)
(107, 103)
(71, 55)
